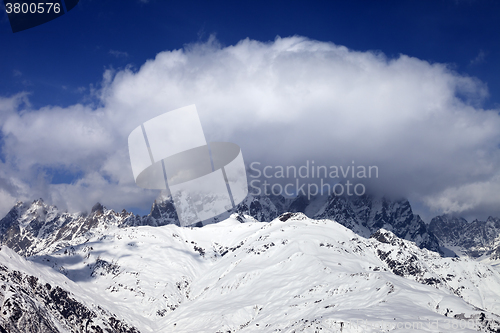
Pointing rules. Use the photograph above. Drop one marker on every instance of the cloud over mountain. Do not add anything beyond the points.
(283, 102)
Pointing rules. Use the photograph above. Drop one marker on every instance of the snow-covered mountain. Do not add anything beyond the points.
(299, 273)
(293, 274)
(477, 239)
(35, 299)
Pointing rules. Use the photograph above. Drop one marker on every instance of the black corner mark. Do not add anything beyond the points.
(26, 14)
(70, 4)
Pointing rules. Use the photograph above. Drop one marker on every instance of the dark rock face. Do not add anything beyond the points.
(448, 228)
(262, 208)
(28, 305)
(286, 216)
(476, 238)
(365, 216)
(401, 262)
(404, 259)
(162, 213)
(341, 210)
(495, 255)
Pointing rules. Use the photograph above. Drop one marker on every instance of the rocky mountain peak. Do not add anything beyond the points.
(97, 208)
(475, 239)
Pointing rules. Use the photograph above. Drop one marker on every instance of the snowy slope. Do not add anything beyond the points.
(34, 298)
(293, 274)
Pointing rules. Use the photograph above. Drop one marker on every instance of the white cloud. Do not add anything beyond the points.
(479, 59)
(284, 102)
(118, 54)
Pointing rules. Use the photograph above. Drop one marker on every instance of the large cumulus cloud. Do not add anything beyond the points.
(284, 102)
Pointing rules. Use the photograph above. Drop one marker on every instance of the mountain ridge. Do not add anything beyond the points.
(477, 239)
(30, 228)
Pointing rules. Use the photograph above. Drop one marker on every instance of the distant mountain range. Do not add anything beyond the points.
(35, 227)
(477, 239)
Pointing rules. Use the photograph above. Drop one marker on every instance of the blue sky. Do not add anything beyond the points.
(56, 60)
(72, 69)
